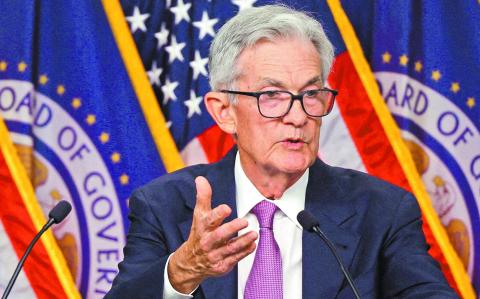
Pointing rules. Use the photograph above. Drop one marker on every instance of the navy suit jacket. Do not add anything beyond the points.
(375, 226)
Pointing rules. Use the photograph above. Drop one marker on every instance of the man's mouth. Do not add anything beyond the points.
(294, 140)
(293, 143)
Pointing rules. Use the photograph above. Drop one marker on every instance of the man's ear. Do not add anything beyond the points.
(221, 110)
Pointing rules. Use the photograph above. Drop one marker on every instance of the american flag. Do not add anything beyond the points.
(173, 39)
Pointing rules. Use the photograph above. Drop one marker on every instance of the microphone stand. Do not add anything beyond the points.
(50, 222)
(317, 230)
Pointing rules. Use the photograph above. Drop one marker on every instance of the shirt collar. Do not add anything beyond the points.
(247, 196)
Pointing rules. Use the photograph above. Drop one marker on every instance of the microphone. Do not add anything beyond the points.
(56, 215)
(310, 223)
(59, 212)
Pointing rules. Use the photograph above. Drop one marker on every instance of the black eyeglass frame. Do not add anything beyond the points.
(293, 96)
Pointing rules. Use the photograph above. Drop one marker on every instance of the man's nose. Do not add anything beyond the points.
(296, 115)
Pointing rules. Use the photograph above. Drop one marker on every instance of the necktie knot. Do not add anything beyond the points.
(264, 211)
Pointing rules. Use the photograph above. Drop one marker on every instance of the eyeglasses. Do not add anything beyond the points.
(277, 103)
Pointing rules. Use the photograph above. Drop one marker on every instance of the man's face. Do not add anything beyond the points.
(288, 144)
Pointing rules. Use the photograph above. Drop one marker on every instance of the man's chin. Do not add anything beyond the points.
(295, 164)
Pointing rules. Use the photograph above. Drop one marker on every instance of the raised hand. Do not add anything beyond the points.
(212, 248)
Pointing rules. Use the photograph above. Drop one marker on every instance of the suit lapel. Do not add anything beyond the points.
(221, 178)
(322, 277)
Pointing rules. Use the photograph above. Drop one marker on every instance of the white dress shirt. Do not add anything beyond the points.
(286, 229)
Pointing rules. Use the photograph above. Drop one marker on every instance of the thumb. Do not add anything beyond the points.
(204, 194)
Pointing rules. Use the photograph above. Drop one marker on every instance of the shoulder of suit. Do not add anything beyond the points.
(358, 183)
(182, 180)
(346, 176)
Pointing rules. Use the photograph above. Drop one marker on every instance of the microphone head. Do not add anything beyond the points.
(307, 220)
(60, 211)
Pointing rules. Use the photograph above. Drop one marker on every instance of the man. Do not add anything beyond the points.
(196, 232)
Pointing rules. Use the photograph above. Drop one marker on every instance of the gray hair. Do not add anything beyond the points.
(268, 22)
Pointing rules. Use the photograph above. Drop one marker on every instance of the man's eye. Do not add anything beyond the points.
(271, 93)
(311, 93)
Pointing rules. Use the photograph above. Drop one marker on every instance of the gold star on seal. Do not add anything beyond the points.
(3, 66)
(470, 102)
(22, 66)
(403, 60)
(60, 90)
(386, 57)
(43, 79)
(115, 157)
(91, 119)
(436, 75)
(418, 66)
(455, 87)
(76, 103)
(55, 194)
(104, 137)
(124, 179)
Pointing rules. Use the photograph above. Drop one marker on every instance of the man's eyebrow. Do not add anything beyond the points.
(316, 79)
(280, 84)
(274, 82)
(271, 81)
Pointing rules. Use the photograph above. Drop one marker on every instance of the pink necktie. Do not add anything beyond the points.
(265, 280)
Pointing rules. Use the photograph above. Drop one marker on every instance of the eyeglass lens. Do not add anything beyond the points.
(277, 103)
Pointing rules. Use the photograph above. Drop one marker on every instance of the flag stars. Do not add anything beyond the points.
(436, 75)
(470, 102)
(199, 65)
(76, 103)
(104, 137)
(455, 87)
(43, 79)
(418, 66)
(386, 57)
(205, 25)
(22, 66)
(3, 66)
(91, 119)
(181, 11)
(403, 60)
(137, 20)
(162, 36)
(60, 90)
(154, 74)
(193, 104)
(124, 179)
(168, 91)
(115, 157)
(175, 50)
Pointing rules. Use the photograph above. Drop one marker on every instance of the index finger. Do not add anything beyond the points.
(204, 194)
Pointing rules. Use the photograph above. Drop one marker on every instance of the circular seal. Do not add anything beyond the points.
(64, 164)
